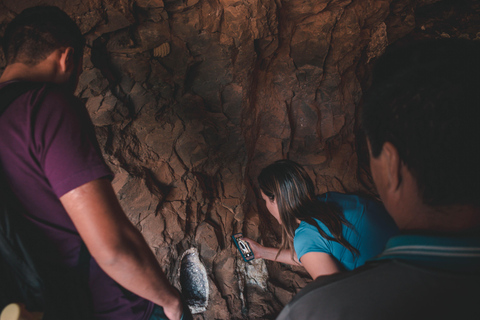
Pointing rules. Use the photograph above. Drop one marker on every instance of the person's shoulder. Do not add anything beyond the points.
(387, 289)
(307, 237)
(345, 279)
(334, 196)
(54, 100)
(352, 200)
(330, 295)
(55, 93)
(345, 200)
(305, 226)
(307, 231)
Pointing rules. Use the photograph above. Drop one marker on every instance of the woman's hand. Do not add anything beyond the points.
(260, 251)
(256, 247)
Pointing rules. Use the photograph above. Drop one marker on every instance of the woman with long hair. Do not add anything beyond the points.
(327, 233)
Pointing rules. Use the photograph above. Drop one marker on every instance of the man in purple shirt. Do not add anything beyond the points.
(52, 162)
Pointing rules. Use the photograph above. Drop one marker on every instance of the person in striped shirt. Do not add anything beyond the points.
(421, 121)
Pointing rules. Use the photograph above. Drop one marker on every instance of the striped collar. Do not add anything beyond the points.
(460, 254)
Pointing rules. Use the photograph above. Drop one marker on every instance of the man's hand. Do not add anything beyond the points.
(174, 310)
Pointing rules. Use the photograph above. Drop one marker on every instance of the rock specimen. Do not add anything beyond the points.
(194, 281)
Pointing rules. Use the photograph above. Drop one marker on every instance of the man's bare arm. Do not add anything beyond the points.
(117, 246)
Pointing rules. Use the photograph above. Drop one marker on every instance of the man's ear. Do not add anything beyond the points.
(66, 60)
(393, 165)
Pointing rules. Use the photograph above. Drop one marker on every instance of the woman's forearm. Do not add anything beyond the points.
(285, 256)
(261, 252)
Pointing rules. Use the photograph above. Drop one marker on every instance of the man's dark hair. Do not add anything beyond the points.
(36, 32)
(425, 100)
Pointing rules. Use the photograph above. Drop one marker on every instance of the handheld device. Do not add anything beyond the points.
(243, 247)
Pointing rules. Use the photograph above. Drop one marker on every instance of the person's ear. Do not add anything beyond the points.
(66, 62)
(393, 165)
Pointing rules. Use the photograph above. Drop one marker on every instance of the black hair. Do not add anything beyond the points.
(425, 100)
(289, 184)
(36, 32)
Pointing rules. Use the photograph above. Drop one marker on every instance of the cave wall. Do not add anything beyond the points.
(192, 98)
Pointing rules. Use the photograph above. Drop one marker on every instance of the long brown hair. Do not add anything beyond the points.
(289, 184)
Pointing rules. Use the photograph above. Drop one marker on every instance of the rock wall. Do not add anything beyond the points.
(192, 98)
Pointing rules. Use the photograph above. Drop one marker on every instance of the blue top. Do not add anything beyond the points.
(372, 227)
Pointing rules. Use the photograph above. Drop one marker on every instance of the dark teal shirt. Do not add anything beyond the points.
(449, 253)
(371, 227)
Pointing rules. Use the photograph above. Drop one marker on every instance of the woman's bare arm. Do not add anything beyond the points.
(319, 264)
(316, 263)
(260, 251)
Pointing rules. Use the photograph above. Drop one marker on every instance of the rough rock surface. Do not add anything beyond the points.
(244, 83)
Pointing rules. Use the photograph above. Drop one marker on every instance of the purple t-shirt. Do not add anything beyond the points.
(48, 148)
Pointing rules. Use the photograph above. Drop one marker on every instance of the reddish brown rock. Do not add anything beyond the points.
(244, 83)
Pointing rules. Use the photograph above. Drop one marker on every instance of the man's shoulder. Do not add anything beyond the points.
(51, 103)
(56, 94)
(341, 280)
(384, 290)
(36, 96)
